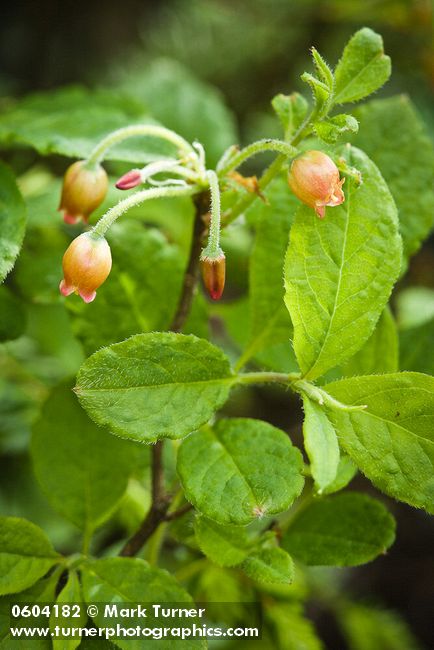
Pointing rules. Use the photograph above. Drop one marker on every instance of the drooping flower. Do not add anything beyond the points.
(213, 274)
(314, 179)
(83, 190)
(86, 265)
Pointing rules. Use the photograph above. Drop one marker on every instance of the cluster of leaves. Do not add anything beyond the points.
(259, 512)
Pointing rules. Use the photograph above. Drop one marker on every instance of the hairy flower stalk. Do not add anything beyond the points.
(135, 130)
(137, 198)
(314, 179)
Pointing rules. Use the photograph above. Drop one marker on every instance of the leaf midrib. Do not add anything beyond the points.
(338, 288)
(224, 380)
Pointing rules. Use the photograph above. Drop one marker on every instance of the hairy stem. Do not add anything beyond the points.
(213, 249)
(97, 155)
(254, 149)
(137, 198)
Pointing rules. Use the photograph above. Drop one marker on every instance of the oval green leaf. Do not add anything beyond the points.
(344, 530)
(240, 470)
(83, 470)
(26, 554)
(321, 444)
(152, 386)
(71, 593)
(393, 134)
(224, 545)
(340, 271)
(362, 69)
(129, 582)
(392, 440)
(72, 120)
(270, 565)
(12, 220)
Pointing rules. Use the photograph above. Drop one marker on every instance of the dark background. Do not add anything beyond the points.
(249, 49)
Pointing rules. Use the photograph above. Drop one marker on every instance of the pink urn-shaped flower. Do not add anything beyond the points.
(314, 179)
(84, 189)
(86, 265)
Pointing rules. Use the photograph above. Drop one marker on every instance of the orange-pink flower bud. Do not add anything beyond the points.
(213, 274)
(129, 180)
(314, 179)
(86, 265)
(82, 192)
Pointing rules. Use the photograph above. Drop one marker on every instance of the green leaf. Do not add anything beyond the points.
(183, 103)
(132, 581)
(12, 221)
(12, 315)
(323, 70)
(371, 628)
(152, 386)
(131, 301)
(131, 578)
(321, 444)
(25, 554)
(42, 592)
(83, 471)
(49, 350)
(393, 135)
(72, 120)
(38, 270)
(362, 69)
(240, 470)
(224, 545)
(343, 530)
(340, 271)
(292, 630)
(320, 92)
(291, 111)
(71, 593)
(97, 644)
(379, 353)
(270, 322)
(269, 565)
(391, 441)
(347, 470)
(416, 347)
(332, 128)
